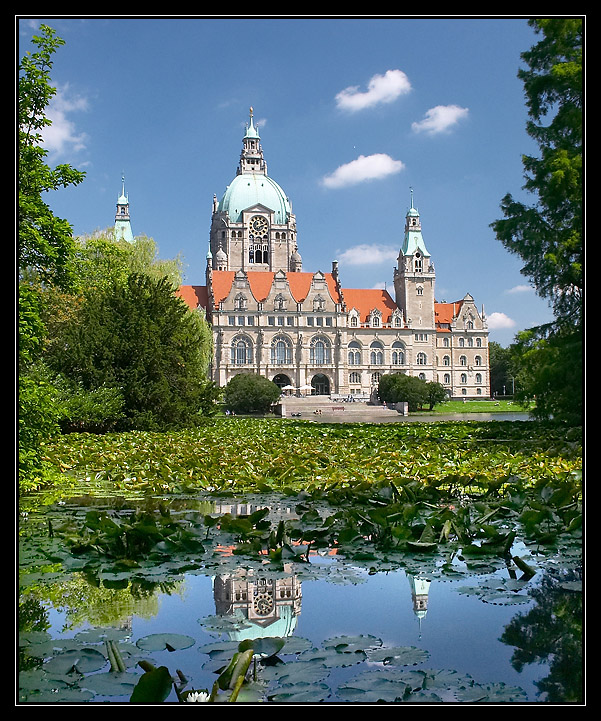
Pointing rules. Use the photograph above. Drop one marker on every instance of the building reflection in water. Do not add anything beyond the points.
(270, 605)
(420, 588)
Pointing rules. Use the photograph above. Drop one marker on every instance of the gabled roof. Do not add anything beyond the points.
(261, 283)
(445, 312)
(366, 300)
(194, 295)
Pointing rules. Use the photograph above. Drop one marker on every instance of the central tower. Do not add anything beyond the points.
(414, 276)
(252, 226)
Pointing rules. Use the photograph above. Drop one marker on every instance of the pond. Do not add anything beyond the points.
(362, 627)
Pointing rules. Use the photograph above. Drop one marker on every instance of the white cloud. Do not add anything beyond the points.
(439, 119)
(381, 89)
(520, 289)
(365, 167)
(366, 254)
(61, 137)
(499, 320)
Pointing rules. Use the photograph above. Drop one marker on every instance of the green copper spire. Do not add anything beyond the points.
(251, 131)
(413, 240)
(122, 220)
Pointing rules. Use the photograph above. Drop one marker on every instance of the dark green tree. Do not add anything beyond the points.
(140, 338)
(502, 381)
(250, 393)
(547, 235)
(435, 394)
(401, 388)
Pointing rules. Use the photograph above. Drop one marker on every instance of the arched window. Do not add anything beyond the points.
(463, 378)
(240, 302)
(354, 377)
(446, 361)
(398, 353)
(376, 356)
(478, 360)
(445, 342)
(375, 378)
(478, 342)
(281, 351)
(241, 351)
(319, 352)
(421, 359)
(354, 353)
(462, 361)
(446, 379)
(478, 378)
(461, 342)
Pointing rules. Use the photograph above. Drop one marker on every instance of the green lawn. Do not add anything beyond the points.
(476, 406)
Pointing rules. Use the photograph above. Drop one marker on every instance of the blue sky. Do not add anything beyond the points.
(352, 113)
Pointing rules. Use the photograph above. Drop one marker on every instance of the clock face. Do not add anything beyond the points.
(259, 225)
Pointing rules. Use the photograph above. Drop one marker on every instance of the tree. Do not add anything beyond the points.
(45, 242)
(140, 338)
(250, 393)
(45, 246)
(401, 388)
(548, 235)
(435, 394)
(502, 381)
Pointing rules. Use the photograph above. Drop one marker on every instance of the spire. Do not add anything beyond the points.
(251, 131)
(122, 220)
(413, 240)
(251, 157)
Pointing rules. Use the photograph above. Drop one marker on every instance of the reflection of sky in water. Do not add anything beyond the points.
(460, 632)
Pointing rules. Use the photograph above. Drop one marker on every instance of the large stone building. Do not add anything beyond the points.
(307, 331)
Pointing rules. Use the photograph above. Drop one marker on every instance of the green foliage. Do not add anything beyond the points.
(141, 339)
(44, 249)
(549, 371)
(250, 393)
(548, 235)
(98, 410)
(38, 421)
(401, 388)
(45, 242)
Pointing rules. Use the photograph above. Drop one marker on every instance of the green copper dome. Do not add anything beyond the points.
(249, 189)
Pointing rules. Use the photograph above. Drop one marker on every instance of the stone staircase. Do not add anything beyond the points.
(324, 406)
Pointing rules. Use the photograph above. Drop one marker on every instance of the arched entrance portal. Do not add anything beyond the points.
(282, 380)
(320, 385)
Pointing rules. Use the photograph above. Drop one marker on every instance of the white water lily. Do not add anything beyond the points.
(197, 697)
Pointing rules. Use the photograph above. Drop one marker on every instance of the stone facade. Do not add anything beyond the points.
(304, 330)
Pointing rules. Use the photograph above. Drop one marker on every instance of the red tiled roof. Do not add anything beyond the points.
(445, 312)
(261, 282)
(365, 300)
(194, 295)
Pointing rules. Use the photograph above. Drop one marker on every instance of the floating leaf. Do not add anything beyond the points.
(164, 641)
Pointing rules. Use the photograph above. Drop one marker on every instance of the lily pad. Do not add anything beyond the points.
(111, 683)
(164, 641)
(372, 687)
(398, 655)
(301, 693)
(83, 660)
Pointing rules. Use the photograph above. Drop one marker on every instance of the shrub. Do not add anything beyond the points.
(250, 393)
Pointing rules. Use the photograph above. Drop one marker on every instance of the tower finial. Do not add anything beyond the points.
(411, 189)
